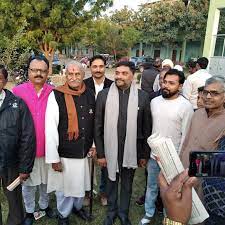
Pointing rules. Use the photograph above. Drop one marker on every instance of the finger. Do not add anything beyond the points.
(177, 183)
(192, 182)
(162, 181)
(187, 193)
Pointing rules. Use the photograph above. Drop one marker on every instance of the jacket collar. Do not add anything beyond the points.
(7, 101)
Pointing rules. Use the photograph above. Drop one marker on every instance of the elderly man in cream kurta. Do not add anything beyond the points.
(69, 137)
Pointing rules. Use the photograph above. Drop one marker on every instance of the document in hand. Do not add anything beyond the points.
(169, 162)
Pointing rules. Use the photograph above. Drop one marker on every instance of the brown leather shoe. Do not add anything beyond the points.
(86, 201)
(103, 200)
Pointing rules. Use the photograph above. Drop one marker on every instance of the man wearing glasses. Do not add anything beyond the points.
(17, 148)
(207, 133)
(35, 93)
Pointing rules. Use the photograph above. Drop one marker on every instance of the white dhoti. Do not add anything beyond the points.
(37, 180)
(39, 173)
(73, 181)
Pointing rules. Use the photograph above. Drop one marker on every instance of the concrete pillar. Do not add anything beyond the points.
(140, 48)
(212, 26)
(183, 53)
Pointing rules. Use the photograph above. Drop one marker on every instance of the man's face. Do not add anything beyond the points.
(192, 70)
(167, 67)
(123, 77)
(3, 82)
(158, 63)
(161, 79)
(200, 102)
(213, 96)
(38, 72)
(98, 68)
(171, 86)
(74, 76)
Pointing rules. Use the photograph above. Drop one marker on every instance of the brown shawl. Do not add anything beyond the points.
(204, 133)
(73, 128)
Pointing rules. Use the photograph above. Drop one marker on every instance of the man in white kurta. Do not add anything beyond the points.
(171, 116)
(196, 80)
(69, 137)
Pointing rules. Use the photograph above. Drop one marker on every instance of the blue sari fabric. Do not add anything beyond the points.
(214, 190)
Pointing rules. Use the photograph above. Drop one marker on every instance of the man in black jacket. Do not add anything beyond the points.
(149, 75)
(98, 82)
(122, 126)
(17, 147)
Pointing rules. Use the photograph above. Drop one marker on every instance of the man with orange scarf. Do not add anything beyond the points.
(69, 137)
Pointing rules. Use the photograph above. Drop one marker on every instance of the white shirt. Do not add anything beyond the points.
(156, 85)
(193, 82)
(2, 97)
(98, 87)
(171, 118)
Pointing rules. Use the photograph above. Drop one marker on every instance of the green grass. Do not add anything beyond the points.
(136, 212)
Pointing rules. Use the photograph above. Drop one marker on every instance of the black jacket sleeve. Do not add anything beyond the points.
(146, 128)
(99, 123)
(27, 140)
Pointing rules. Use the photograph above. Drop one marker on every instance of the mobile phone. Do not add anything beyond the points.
(207, 164)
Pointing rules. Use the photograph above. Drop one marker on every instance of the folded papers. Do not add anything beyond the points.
(170, 164)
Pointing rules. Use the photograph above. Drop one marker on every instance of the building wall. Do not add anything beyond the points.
(193, 50)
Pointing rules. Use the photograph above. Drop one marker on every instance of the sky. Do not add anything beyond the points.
(119, 4)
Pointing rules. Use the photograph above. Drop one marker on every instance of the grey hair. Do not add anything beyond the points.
(216, 79)
(75, 63)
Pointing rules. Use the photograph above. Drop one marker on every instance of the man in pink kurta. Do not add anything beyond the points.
(35, 93)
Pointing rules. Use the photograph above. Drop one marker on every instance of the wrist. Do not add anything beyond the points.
(167, 221)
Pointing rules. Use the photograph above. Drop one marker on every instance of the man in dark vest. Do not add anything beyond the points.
(97, 82)
(122, 126)
(69, 137)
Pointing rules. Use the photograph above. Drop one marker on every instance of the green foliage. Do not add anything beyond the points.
(49, 23)
(171, 22)
(221, 29)
(14, 55)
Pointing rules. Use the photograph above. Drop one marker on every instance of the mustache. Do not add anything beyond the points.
(39, 76)
(77, 80)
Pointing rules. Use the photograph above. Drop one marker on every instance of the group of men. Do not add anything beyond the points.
(47, 134)
(173, 116)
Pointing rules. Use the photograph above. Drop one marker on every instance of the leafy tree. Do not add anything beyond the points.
(14, 55)
(168, 21)
(124, 17)
(221, 29)
(50, 23)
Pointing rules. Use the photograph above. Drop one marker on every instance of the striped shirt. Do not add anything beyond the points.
(2, 97)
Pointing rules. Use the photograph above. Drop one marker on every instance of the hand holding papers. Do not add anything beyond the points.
(163, 150)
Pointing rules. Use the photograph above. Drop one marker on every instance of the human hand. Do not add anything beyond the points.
(142, 163)
(57, 167)
(92, 152)
(102, 162)
(177, 197)
(24, 176)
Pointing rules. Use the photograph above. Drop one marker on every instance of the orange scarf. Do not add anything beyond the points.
(73, 128)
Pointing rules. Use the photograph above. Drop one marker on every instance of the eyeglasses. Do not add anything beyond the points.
(212, 93)
(38, 70)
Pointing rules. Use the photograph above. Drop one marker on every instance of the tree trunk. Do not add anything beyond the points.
(184, 44)
(49, 54)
